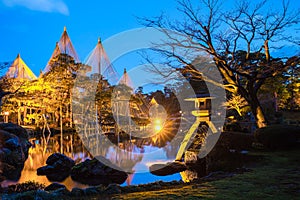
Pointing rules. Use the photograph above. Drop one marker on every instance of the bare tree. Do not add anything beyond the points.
(236, 102)
(238, 40)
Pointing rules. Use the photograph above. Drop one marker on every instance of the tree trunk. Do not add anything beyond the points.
(19, 113)
(71, 110)
(257, 111)
(61, 129)
(251, 97)
(267, 51)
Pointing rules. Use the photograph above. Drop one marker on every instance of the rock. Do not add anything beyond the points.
(54, 186)
(131, 189)
(24, 196)
(59, 177)
(77, 192)
(12, 143)
(45, 170)
(58, 159)
(58, 167)
(91, 191)
(94, 172)
(156, 187)
(14, 147)
(100, 188)
(7, 167)
(2, 178)
(113, 189)
(167, 169)
(15, 129)
(11, 172)
(61, 192)
(3, 153)
(43, 195)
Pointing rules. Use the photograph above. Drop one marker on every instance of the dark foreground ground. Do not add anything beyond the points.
(273, 175)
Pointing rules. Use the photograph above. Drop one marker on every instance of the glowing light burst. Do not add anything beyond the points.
(157, 125)
(158, 117)
(165, 134)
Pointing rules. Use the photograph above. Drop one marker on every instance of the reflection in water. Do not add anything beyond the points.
(37, 158)
(135, 155)
(188, 175)
(132, 154)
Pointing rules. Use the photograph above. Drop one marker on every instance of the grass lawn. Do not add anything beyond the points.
(276, 176)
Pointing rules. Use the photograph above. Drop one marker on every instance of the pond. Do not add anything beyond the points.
(141, 154)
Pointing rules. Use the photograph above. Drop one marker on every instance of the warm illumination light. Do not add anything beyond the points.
(6, 113)
(157, 127)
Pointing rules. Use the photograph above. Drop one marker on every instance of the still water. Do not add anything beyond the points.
(142, 155)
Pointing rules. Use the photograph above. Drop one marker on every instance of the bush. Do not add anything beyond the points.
(278, 137)
(233, 126)
(236, 140)
(226, 154)
(24, 187)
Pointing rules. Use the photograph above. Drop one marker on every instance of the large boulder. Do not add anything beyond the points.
(94, 172)
(54, 186)
(58, 167)
(14, 147)
(17, 130)
(167, 169)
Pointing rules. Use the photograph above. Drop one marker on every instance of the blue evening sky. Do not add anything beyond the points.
(31, 27)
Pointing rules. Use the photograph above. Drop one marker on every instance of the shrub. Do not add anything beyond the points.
(233, 126)
(278, 136)
(23, 187)
(236, 140)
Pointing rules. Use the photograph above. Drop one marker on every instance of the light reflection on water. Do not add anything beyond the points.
(142, 178)
(37, 159)
(138, 163)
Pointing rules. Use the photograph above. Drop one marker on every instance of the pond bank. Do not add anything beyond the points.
(275, 176)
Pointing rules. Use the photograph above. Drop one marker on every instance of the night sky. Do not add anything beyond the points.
(32, 27)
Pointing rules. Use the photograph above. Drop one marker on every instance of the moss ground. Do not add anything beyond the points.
(276, 176)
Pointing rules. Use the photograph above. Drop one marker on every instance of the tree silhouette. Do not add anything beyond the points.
(238, 40)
